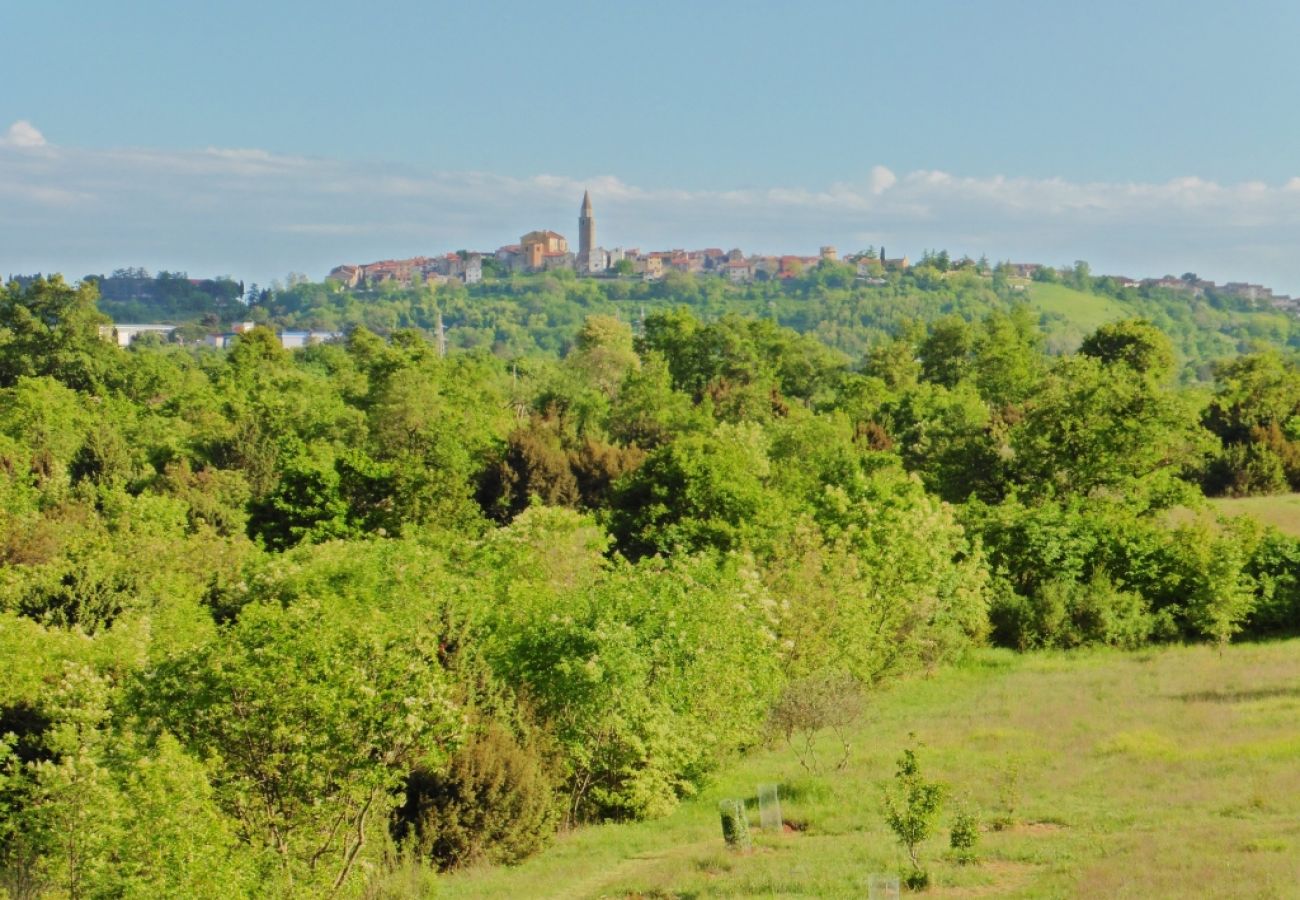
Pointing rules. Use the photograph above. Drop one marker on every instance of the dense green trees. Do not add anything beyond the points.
(519, 316)
(276, 621)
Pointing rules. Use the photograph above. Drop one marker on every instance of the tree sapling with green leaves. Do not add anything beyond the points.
(911, 809)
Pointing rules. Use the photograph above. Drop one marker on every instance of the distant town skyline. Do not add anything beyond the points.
(259, 139)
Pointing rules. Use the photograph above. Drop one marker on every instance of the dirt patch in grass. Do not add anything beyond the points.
(1037, 828)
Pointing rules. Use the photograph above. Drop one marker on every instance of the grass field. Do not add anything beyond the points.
(1282, 511)
(1166, 773)
(1085, 312)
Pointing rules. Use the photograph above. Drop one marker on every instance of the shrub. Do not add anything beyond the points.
(1275, 568)
(735, 824)
(1067, 613)
(964, 835)
(808, 705)
(1008, 794)
(1245, 469)
(494, 802)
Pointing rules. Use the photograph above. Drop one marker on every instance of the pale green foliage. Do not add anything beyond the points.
(176, 841)
(315, 711)
(603, 354)
(646, 674)
(71, 817)
(98, 815)
(735, 825)
(884, 581)
(47, 417)
(647, 678)
(1219, 593)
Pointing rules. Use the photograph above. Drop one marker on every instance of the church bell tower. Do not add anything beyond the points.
(586, 229)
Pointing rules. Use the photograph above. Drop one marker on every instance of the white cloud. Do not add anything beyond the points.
(882, 179)
(22, 134)
(256, 214)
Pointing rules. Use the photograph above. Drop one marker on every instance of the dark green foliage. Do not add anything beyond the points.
(1096, 429)
(700, 492)
(493, 802)
(304, 506)
(132, 295)
(1134, 343)
(1067, 613)
(52, 329)
(519, 316)
(1275, 568)
(1255, 412)
(1240, 470)
(535, 465)
(26, 724)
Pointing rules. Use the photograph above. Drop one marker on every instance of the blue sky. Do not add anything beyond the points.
(261, 138)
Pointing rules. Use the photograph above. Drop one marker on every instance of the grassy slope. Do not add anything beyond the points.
(1085, 312)
(1282, 511)
(1167, 773)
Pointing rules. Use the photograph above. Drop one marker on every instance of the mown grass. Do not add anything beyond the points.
(1165, 773)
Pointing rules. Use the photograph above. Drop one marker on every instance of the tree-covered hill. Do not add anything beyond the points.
(522, 315)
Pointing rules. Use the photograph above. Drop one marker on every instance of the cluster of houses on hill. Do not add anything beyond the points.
(1192, 285)
(1242, 290)
(544, 251)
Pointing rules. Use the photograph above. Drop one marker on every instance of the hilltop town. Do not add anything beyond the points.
(546, 250)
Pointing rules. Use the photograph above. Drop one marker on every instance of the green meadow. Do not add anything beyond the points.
(1282, 511)
(1073, 314)
(1169, 772)
(1086, 310)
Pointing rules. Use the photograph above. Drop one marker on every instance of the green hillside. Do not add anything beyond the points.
(527, 315)
(1084, 311)
(1166, 773)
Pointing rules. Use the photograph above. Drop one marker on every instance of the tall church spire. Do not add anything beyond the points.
(586, 230)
